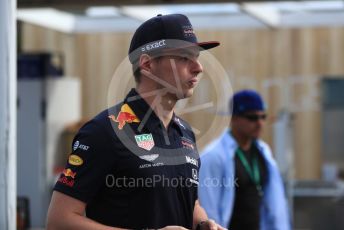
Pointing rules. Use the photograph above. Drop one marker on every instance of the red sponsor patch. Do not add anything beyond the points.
(188, 31)
(188, 144)
(64, 180)
(69, 173)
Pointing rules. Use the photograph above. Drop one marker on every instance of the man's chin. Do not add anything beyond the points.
(185, 94)
(189, 93)
(256, 135)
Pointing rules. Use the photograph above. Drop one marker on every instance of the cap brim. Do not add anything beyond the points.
(200, 45)
(208, 45)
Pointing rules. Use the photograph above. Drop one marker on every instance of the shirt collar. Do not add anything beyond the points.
(146, 114)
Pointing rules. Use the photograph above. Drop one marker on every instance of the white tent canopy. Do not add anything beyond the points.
(203, 16)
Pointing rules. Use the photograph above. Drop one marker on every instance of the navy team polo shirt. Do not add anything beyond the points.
(131, 171)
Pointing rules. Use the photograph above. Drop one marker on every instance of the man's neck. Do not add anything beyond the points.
(243, 141)
(162, 103)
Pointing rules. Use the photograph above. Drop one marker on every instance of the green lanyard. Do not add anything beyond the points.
(253, 171)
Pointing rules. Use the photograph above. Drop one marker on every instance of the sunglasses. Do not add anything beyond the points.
(254, 117)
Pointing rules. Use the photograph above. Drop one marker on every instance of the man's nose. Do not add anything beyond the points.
(196, 67)
(261, 122)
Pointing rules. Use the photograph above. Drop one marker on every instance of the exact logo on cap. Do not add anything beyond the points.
(154, 45)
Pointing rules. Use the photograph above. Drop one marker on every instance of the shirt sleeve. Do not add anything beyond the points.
(88, 164)
(210, 187)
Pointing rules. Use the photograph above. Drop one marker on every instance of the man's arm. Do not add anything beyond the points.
(201, 221)
(66, 213)
(199, 215)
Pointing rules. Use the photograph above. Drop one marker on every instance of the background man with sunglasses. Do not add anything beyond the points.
(240, 184)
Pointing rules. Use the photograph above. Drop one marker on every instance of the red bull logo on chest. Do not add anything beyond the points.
(126, 115)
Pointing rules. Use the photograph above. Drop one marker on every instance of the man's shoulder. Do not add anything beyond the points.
(263, 145)
(104, 117)
(101, 123)
(217, 147)
(182, 122)
(265, 149)
(184, 125)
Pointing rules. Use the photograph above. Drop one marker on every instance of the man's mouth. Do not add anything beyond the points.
(192, 82)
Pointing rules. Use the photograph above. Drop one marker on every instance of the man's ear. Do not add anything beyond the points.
(145, 62)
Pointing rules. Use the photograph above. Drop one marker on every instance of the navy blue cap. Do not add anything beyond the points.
(246, 101)
(165, 32)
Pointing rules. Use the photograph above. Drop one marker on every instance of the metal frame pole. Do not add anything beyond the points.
(8, 118)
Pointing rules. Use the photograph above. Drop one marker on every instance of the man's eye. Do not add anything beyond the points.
(184, 58)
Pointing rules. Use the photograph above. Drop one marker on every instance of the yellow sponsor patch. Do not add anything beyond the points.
(75, 160)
